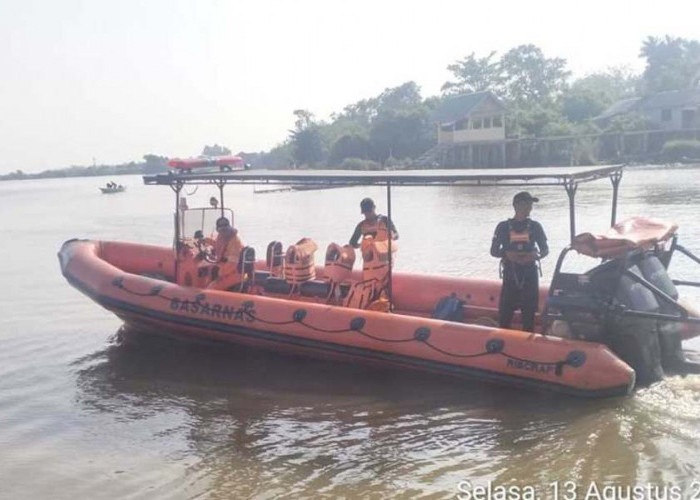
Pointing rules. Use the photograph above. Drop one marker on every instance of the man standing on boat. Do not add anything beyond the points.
(519, 242)
(372, 236)
(373, 225)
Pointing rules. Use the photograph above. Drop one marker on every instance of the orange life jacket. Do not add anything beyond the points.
(376, 228)
(375, 256)
(360, 295)
(299, 265)
(339, 262)
(228, 246)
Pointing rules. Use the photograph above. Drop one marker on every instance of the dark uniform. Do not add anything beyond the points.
(520, 281)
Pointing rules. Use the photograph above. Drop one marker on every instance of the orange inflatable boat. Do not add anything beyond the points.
(116, 275)
(624, 308)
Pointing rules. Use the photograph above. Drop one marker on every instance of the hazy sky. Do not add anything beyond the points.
(117, 79)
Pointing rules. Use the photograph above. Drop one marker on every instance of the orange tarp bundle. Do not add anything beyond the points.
(630, 234)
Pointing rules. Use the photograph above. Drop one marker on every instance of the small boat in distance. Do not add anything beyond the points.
(112, 187)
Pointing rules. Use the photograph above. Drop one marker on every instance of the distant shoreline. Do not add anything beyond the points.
(101, 171)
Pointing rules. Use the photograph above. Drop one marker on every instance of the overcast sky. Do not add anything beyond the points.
(114, 80)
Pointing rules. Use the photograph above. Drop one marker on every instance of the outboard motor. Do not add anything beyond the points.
(636, 339)
(672, 357)
(628, 302)
(594, 305)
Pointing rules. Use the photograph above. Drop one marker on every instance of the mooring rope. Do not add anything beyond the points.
(422, 334)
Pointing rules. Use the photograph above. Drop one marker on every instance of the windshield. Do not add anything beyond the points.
(201, 219)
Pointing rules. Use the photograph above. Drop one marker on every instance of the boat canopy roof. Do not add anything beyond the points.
(539, 176)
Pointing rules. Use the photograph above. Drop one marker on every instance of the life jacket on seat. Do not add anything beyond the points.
(339, 262)
(275, 259)
(299, 265)
(234, 276)
(338, 270)
(375, 265)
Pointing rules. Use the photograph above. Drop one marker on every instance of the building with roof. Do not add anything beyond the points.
(470, 131)
(668, 111)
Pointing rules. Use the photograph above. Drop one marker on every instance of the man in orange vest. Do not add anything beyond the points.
(227, 246)
(519, 242)
(373, 225)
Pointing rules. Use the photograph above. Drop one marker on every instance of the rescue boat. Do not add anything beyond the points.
(432, 323)
(227, 162)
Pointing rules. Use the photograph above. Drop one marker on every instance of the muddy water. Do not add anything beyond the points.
(90, 411)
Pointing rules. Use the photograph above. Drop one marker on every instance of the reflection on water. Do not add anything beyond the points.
(259, 424)
(87, 413)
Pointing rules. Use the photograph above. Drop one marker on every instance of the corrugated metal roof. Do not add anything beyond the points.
(455, 108)
(670, 99)
(620, 107)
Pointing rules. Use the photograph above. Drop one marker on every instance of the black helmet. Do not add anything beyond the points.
(222, 222)
(367, 205)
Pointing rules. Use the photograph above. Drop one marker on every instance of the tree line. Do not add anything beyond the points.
(394, 127)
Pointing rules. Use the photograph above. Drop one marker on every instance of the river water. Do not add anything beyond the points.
(90, 411)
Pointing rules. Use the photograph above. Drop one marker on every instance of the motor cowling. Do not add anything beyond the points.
(595, 306)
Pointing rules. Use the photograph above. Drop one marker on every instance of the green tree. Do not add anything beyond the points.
(671, 63)
(405, 96)
(589, 96)
(349, 146)
(154, 163)
(216, 150)
(306, 139)
(529, 78)
(400, 134)
(581, 104)
(474, 74)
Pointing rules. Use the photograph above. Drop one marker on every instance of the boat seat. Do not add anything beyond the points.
(275, 258)
(315, 288)
(261, 277)
(277, 285)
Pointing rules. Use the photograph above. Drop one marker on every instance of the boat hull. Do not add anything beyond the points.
(112, 275)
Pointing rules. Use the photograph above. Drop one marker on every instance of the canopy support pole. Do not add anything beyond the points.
(390, 234)
(615, 179)
(177, 187)
(221, 185)
(571, 187)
